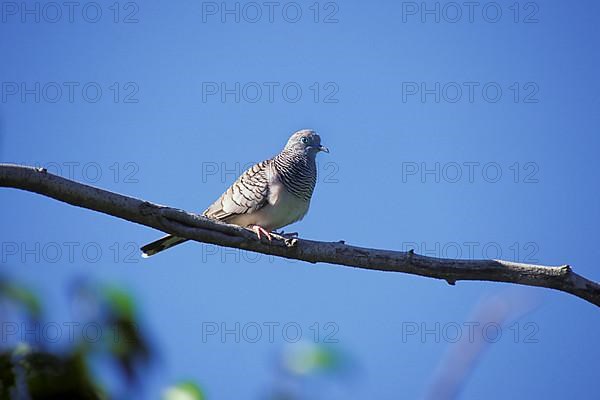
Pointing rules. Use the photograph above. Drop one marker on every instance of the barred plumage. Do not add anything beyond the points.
(298, 173)
(269, 195)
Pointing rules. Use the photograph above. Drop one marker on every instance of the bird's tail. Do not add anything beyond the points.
(161, 244)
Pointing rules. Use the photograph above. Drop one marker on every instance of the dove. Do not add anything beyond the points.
(269, 195)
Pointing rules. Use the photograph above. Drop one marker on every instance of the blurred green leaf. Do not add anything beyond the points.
(21, 296)
(184, 391)
(120, 302)
(308, 358)
(53, 376)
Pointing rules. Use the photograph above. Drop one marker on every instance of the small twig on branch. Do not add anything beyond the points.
(202, 229)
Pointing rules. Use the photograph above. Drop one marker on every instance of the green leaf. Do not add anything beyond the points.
(22, 296)
(120, 302)
(309, 358)
(186, 390)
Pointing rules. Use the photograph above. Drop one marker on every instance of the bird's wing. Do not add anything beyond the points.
(248, 193)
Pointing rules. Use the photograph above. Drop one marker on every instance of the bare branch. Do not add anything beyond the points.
(201, 229)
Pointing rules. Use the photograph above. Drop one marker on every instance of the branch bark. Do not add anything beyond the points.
(202, 229)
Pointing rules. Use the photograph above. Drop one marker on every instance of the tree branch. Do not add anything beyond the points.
(202, 229)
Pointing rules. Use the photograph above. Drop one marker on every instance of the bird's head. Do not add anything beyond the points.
(306, 141)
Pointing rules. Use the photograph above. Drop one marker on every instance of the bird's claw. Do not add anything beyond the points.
(259, 229)
(289, 235)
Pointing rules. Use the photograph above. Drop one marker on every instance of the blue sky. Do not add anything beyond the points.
(470, 137)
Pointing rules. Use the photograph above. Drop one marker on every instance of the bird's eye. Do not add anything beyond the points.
(304, 140)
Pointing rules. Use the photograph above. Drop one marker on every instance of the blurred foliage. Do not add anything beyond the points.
(128, 347)
(45, 375)
(309, 358)
(183, 391)
(34, 367)
(308, 370)
(20, 296)
(7, 376)
(31, 370)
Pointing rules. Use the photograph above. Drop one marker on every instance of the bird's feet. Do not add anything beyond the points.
(259, 229)
(289, 235)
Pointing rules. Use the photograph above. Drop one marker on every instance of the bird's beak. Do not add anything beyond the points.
(323, 148)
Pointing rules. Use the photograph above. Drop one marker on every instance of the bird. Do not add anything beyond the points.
(269, 195)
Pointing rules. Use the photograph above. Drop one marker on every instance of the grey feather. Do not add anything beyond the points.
(246, 195)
